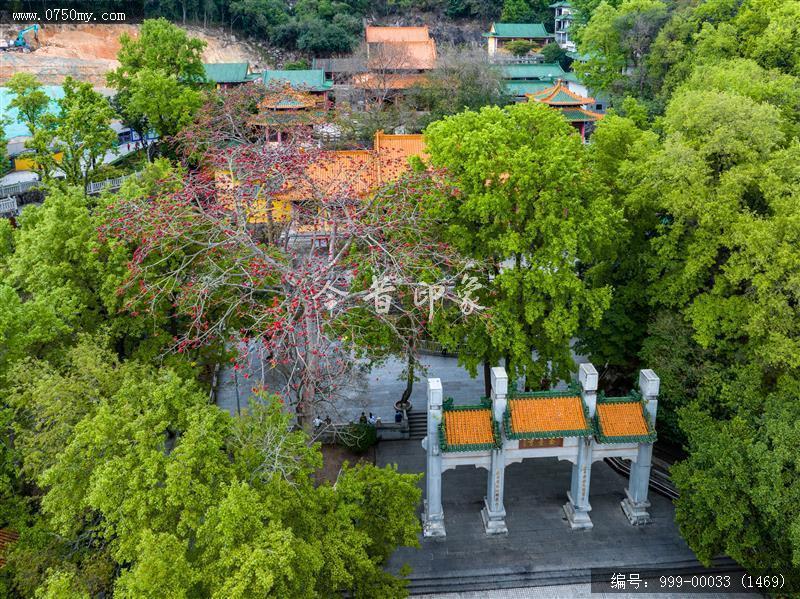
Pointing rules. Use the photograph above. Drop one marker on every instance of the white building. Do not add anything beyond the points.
(564, 14)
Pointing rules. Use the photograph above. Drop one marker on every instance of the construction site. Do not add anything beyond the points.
(88, 52)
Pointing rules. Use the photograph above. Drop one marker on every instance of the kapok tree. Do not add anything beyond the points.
(267, 246)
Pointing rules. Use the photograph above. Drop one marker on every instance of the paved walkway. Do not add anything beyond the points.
(540, 547)
(373, 391)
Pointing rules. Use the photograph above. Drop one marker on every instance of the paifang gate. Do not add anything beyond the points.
(576, 425)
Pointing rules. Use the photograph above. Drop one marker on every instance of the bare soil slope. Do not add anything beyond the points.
(88, 52)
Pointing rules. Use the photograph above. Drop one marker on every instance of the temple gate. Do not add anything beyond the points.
(576, 425)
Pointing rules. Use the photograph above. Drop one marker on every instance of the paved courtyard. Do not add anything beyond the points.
(540, 548)
(373, 391)
(541, 556)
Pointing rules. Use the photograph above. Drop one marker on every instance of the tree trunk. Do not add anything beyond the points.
(308, 394)
(409, 377)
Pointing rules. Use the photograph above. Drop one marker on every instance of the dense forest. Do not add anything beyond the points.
(314, 26)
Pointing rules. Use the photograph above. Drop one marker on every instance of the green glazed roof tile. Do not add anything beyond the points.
(532, 30)
(226, 72)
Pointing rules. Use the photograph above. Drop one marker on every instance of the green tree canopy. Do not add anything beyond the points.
(141, 474)
(162, 46)
(29, 99)
(739, 485)
(157, 78)
(81, 132)
(617, 40)
(525, 206)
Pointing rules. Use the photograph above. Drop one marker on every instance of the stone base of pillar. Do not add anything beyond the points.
(635, 511)
(494, 523)
(578, 518)
(432, 526)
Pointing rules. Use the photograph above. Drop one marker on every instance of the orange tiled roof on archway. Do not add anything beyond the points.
(468, 427)
(621, 419)
(547, 415)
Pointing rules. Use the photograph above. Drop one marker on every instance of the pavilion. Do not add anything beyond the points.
(521, 80)
(577, 425)
(571, 105)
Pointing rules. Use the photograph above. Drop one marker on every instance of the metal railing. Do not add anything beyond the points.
(660, 481)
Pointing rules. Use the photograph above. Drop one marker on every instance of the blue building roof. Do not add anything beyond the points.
(15, 128)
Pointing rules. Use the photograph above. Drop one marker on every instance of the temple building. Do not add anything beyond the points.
(311, 81)
(572, 106)
(229, 74)
(577, 425)
(501, 34)
(285, 110)
(521, 80)
(397, 58)
(336, 173)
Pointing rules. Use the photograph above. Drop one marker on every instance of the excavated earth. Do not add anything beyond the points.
(88, 52)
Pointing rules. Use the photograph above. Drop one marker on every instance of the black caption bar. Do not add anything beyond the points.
(691, 581)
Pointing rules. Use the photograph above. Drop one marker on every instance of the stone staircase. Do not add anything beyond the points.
(417, 425)
(510, 578)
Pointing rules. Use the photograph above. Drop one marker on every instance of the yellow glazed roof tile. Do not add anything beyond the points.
(468, 427)
(621, 419)
(547, 414)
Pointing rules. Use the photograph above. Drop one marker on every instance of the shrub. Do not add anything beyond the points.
(359, 437)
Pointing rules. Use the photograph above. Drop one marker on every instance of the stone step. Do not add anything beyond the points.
(478, 580)
(417, 425)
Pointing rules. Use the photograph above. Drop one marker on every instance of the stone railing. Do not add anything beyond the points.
(8, 206)
(426, 346)
(510, 59)
(99, 186)
(338, 432)
(17, 189)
